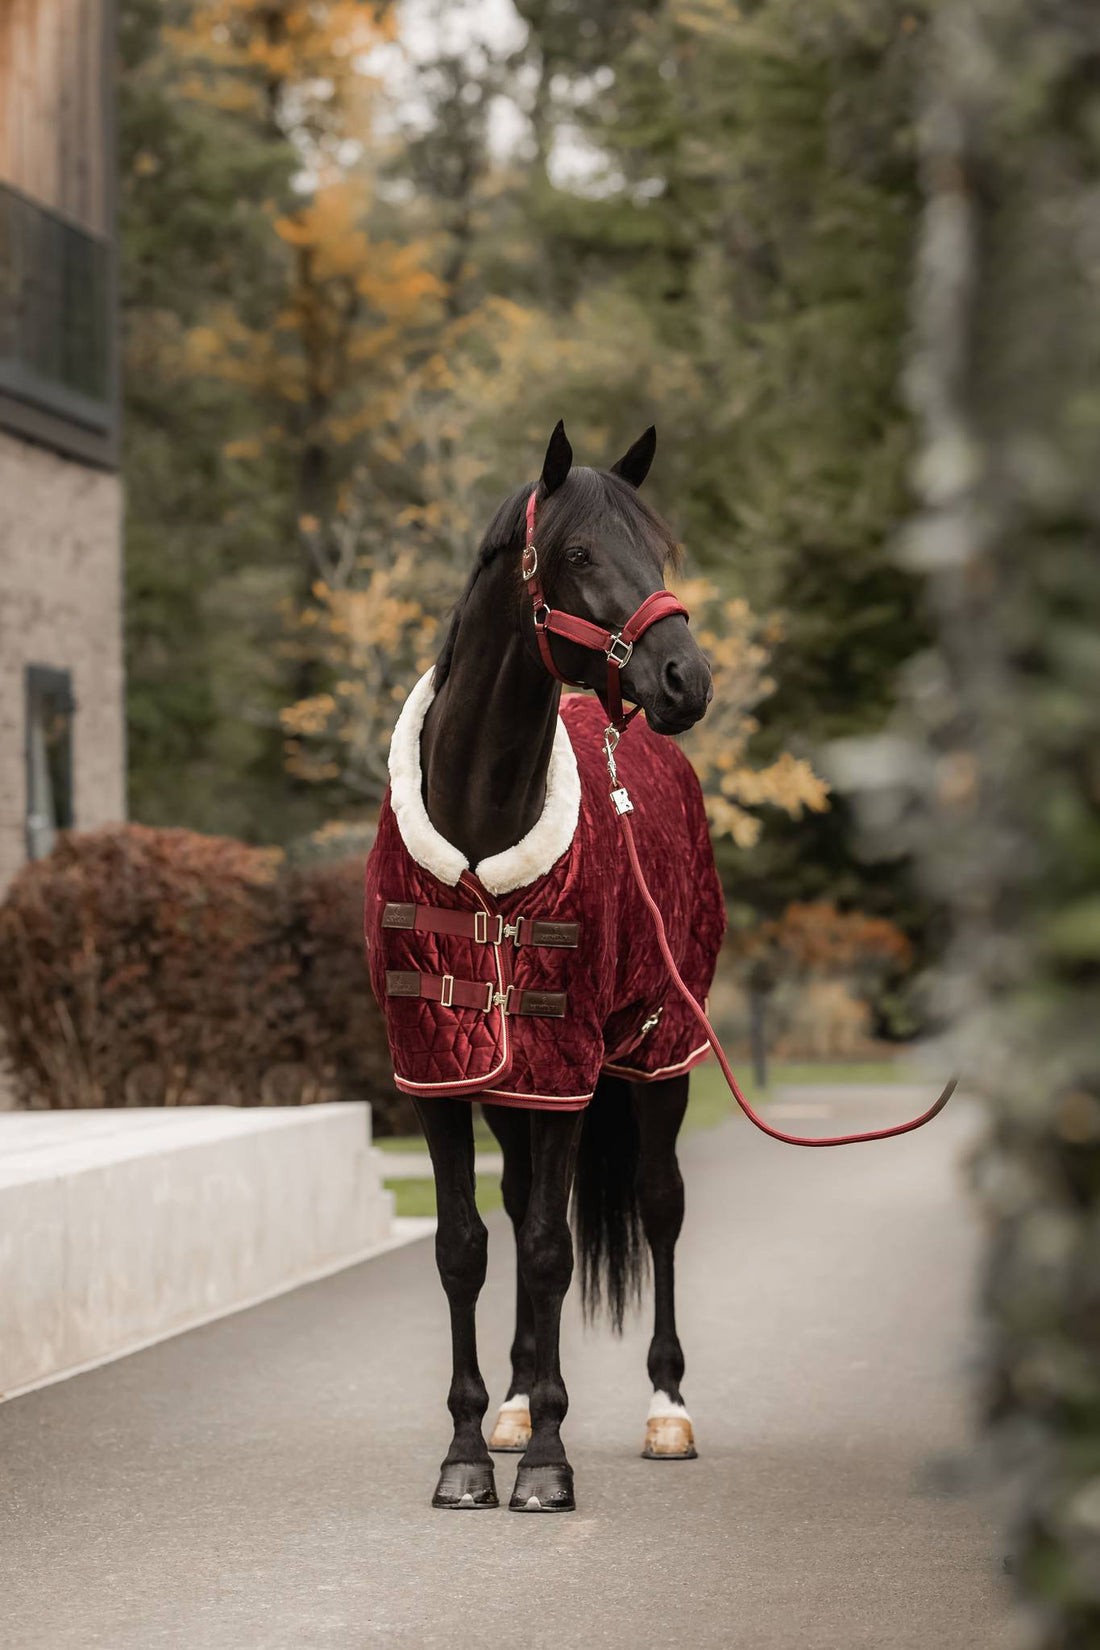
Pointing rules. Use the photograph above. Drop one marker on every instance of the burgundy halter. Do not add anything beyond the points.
(616, 645)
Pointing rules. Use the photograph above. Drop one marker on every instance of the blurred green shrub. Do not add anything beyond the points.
(143, 967)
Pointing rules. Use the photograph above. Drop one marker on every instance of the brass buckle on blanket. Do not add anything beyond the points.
(481, 928)
(447, 991)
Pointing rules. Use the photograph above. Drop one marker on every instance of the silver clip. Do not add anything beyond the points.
(610, 746)
(619, 797)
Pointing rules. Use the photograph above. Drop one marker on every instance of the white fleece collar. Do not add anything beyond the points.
(531, 857)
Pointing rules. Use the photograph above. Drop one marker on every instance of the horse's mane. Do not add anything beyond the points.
(581, 499)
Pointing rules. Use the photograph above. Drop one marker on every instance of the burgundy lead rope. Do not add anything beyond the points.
(618, 645)
(712, 1038)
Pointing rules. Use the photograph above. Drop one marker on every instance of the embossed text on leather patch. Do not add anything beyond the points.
(400, 983)
(399, 916)
(563, 934)
(548, 1003)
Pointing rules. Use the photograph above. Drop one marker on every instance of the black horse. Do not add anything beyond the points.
(484, 752)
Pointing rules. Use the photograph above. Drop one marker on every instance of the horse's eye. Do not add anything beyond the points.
(577, 556)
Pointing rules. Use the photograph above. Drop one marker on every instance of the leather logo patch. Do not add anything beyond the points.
(400, 983)
(565, 935)
(399, 916)
(548, 1003)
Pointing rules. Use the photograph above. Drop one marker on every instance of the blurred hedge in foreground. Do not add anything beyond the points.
(1003, 724)
(144, 967)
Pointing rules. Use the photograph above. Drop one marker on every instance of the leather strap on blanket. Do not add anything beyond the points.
(480, 994)
(481, 927)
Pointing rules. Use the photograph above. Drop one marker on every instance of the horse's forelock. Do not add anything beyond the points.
(587, 495)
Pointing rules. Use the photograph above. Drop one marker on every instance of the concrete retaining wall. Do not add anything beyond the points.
(121, 1227)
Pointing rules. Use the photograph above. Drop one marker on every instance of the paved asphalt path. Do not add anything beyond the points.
(263, 1483)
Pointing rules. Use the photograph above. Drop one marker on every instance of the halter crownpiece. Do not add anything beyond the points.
(616, 645)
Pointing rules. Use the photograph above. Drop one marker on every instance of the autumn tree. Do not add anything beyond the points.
(266, 366)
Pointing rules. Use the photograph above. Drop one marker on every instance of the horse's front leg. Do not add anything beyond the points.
(659, 1109)
(512, 1128)
(544, 1480)
(461, 1252)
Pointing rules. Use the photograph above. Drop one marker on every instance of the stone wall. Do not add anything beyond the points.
(60, 605)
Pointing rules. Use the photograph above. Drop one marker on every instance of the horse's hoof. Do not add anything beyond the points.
(543, 1489)
(512, 1433)
(669, 1438)
(462, 1485)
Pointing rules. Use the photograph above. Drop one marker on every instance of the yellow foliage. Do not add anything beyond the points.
(738, 645)
(349, 303)
(248, 447)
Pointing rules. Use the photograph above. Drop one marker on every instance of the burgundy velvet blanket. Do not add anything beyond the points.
(619, 1012)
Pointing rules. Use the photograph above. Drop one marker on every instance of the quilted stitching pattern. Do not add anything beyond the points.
(614, 980)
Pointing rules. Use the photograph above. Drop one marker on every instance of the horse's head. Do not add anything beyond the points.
(601, 552)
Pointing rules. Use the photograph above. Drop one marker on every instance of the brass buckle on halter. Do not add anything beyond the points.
(618, 640)
(481, 929)
(542, 615)
(526, 572)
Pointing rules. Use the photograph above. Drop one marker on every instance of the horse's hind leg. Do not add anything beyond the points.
(461, 1252)
(544, 1479)
(659, 1109)
(512, 1128)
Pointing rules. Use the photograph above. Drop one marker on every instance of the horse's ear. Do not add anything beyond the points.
(635, 462)
(558, 461)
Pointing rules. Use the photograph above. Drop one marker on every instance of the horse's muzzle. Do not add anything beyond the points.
(676, 693)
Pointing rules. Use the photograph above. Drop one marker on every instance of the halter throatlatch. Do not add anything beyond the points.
(616, 645)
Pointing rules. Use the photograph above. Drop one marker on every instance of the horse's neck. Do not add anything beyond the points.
(489, 732)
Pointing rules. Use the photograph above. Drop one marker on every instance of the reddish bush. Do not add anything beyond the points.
(818, 940)
(149, 967)
(326, 903)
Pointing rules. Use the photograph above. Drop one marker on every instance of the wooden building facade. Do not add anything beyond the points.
(57, 252)
(61, 713)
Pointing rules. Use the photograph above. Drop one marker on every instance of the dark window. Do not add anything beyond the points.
(49, 757)
(55, 316)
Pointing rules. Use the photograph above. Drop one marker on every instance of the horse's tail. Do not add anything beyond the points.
(606, 1215)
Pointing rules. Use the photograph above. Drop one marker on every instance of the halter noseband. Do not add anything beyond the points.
(616, 645)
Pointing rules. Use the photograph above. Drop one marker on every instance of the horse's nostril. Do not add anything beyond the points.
(674, 680)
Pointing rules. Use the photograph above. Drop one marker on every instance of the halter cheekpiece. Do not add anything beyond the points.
(616, 645)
